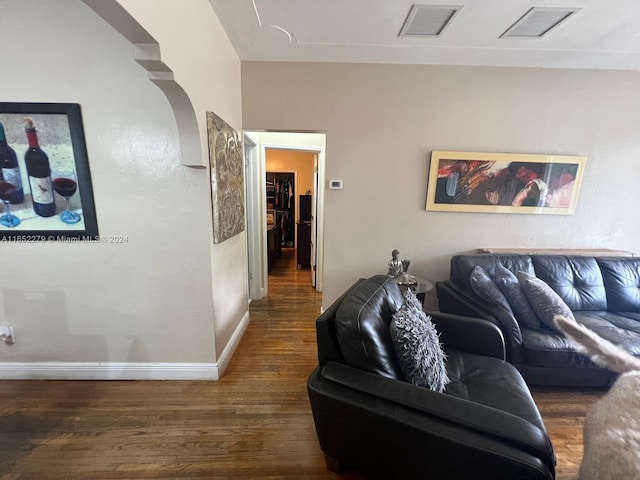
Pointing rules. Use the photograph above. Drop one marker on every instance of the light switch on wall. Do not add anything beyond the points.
(335, 184)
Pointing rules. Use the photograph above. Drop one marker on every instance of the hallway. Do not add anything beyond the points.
(276, 355)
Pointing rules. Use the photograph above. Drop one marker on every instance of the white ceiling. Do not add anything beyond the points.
(604, 34)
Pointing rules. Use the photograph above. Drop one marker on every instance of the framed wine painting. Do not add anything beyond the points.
(45, 182)
(504, 182)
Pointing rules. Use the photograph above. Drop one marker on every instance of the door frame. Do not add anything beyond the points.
(258, 255)
(253, 218)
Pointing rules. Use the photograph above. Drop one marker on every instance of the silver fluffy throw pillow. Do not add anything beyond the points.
(417, 346)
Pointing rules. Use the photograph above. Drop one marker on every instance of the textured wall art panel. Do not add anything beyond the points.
(227, 179)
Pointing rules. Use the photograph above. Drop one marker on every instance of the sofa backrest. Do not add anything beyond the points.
(362, 323)
(585, 283)
(327, 340)
(622, 283)
(463, 265)
(577, 279)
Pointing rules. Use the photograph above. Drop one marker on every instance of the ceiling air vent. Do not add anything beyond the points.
(428, 20)
(538, 21)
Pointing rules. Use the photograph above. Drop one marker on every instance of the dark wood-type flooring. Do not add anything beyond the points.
(255, 423)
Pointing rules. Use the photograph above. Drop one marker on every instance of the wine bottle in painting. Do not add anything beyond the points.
(9, 167)
(39, 172)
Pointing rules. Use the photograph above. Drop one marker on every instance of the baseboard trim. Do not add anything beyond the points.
(234, 341)
(107, 371)
(124, 370)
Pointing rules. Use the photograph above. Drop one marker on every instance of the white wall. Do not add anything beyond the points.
(150, 299)
(196, 48)
(382, 122)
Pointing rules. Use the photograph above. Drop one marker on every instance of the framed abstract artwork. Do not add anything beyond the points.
(227, 178)
(45, 182)
(504, 182)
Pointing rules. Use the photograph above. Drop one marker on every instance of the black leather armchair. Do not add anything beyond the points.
(368, 417)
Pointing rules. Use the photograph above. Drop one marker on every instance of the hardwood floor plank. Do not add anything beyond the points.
(255, 423)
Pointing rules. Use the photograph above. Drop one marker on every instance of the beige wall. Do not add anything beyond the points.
(149, 299)
(382, 122)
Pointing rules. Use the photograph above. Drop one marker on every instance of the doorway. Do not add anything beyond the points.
(261, 218)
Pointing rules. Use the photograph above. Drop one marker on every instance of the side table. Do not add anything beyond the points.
(420, 287)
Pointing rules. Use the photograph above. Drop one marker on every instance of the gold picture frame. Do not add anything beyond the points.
(504, 182)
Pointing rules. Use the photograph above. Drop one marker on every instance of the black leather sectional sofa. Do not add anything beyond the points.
(602, 293)
(485, 426)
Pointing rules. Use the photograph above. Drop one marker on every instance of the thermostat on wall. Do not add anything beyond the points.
(335, 184)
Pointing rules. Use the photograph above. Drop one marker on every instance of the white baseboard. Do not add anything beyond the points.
(107, 371)
(227, 353)
(124, 370)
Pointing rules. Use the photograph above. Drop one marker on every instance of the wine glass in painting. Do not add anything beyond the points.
(65, 185)
(7, 192)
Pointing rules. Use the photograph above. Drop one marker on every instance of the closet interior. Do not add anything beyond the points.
(281, 213)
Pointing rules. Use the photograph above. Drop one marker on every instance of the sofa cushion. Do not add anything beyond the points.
(544, 300)
(618, 329)
(633, 315)
(490, 382)
(417, 345)
(544, 348)
(576, 279)
(487, 289)
(622, 283)
(510, 286)
(362, 326)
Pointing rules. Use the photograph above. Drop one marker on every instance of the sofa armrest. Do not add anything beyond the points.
(469, 334)
(421, 408)
(453, 299)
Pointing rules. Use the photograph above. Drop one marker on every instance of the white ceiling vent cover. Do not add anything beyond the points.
(428, 20)
(538, 21)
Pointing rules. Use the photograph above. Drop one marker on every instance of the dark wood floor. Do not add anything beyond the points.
(255, 423)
